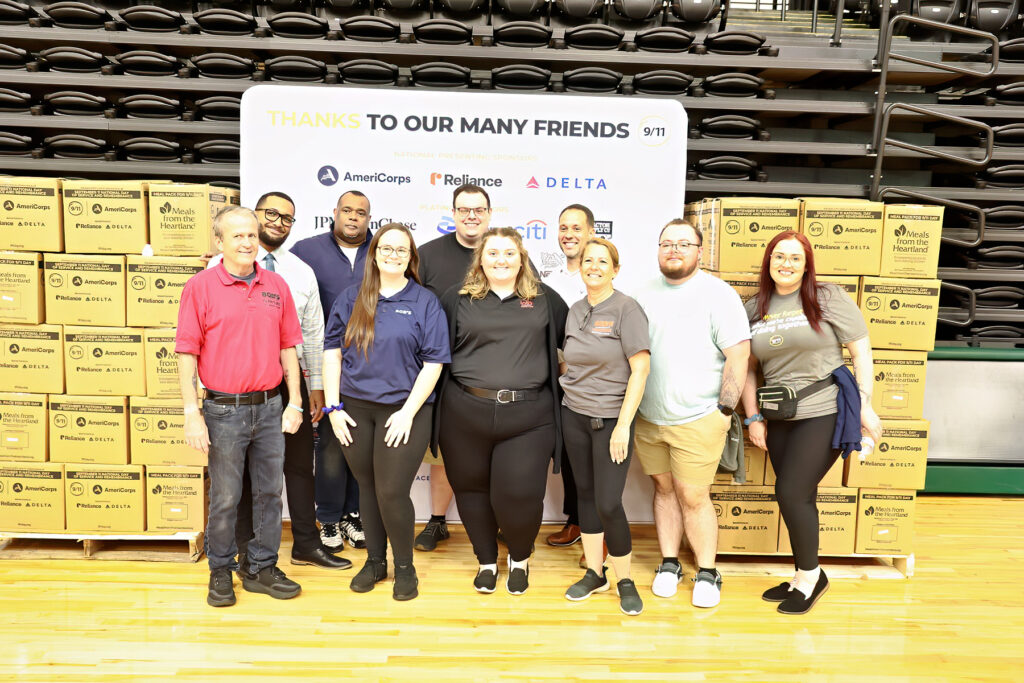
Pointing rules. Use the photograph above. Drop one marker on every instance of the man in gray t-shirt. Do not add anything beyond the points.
(700, 344)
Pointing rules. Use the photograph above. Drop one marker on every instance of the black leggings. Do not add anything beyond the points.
(801, 453)
(385, 476)
(599, 480)
(496, 457)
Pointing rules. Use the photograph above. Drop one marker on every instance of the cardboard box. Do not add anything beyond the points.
(176, 498)
(737, 229)
(158, 434)
(22, 299)
(832, 478)
(154, 288)
(745, 284)
(181, 217)
(105, 498)
(837, 522)
(32, 358)
(107, 361)
(911, 239)
(898, 392)
(89, 429)
(846, 234)
(753, 464)
(899, 460)
(84, 290)
(885, 522)
(748, 518)
(900, 314)
(32, 497)
(105, 216)
(23, 434)
(161, 364)
(851, 283)
(31, 213)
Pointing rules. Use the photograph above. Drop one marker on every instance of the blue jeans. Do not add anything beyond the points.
(337, 491)
(237, 433)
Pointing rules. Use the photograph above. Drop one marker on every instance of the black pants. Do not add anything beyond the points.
(298, 483)
(496, 457)
(570, 503)
(600, 481)
(801, 453)
(385, 476)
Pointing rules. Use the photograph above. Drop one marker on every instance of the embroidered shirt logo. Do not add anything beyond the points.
(525, 303)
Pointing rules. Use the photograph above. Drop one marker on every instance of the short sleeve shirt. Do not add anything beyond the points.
(409, 329)
(689, 325)
(792, 353)
(599, 340)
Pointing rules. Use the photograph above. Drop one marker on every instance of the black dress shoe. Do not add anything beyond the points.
(321, 558)
(798, 603)
(778, 593)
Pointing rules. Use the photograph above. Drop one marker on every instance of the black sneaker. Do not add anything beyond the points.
(243, 565)
(222, 592)
(372, 573)
(352, 530)
(485, 581)
(273, 582)
(590, 583)
(629, 598)
(798, 603)
(405, 583)
(778, 593)
(432, 534)
(518, 579)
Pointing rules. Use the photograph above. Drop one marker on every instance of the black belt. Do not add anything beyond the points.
(248, 398)
(502, 395)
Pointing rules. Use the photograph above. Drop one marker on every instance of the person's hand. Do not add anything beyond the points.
(340, 422)
(619, 443)
(870, 422)
(758, 432)
(316, 404)
(399, 425)
(290, 420)
(196, 434)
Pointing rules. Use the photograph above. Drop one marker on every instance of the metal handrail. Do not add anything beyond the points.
(951, 203)
(973, 298)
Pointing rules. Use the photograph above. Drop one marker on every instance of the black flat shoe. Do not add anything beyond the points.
(778, 593)
(798, 603)
(322, 559)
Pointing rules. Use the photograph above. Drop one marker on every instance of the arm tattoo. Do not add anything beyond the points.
(730, 392)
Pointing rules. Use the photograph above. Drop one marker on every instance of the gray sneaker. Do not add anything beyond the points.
(590, 583)
(629, 599)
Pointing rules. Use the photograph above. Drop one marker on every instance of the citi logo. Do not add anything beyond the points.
(534, 229)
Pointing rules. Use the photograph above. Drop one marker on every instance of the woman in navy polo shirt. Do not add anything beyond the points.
(499, 423)
(387, 340)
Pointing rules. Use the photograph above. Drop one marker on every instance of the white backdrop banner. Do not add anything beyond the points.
(408, 149)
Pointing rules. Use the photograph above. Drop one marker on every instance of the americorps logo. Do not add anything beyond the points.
(327, 175)
(566, 183)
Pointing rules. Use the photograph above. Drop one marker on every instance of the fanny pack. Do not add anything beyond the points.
(779, 402)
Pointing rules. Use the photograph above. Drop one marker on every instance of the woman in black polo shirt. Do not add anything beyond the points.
(386, 342)
(498, 422)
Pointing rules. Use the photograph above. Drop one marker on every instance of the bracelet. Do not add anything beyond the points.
(327, 410)
(295, 407)
(757, 417)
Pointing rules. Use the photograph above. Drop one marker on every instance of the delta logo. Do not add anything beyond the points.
(566, 183)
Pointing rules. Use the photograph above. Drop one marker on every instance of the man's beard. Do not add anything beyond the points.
(678, 273)
(353, 241)
(271, 241)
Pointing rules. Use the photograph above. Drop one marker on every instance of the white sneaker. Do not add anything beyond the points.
(330, 536)
(707, 589)
(666, 580)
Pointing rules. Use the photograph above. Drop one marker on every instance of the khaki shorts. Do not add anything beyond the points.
(431, 460)
(691, 451)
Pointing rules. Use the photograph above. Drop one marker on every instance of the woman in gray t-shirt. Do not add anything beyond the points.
(798, 328)
(607, 359)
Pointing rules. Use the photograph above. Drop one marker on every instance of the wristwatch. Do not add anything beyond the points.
(726, 410)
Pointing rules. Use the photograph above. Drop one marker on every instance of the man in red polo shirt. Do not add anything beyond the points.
(237, 326)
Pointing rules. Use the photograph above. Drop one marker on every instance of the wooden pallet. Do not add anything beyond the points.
(184, 546)
(840, 567)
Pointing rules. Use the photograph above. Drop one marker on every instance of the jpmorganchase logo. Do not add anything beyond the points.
(566, 183)
(450, 180)
(446, 225)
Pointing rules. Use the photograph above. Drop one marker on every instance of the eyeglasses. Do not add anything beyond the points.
(400, 252)
(463, 211)
(794, 259)
(273, 214)
(349, 210)
(676, 246)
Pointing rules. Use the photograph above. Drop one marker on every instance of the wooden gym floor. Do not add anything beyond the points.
(959, 618)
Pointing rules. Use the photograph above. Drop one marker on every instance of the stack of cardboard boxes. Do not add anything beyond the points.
(91, 420)
(886, 257)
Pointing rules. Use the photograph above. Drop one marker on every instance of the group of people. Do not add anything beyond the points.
(460, 349)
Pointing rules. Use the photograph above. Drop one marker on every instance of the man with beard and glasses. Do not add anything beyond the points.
(700, 343)
(276, 214)
(338, 258)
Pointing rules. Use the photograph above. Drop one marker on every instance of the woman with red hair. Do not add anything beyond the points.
(798, 327)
